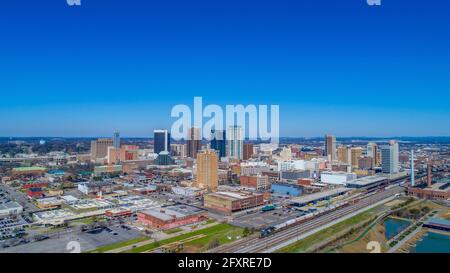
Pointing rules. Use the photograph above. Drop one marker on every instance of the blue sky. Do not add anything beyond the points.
(339, 67)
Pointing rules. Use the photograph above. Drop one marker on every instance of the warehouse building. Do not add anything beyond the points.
(229, 202)
(171, 216)
(337, 178)
(10, 208)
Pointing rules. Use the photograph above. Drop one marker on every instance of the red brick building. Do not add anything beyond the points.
(171, 216)
(35, 193)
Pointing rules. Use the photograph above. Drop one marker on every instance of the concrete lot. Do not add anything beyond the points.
(58, 241)
(261, 219)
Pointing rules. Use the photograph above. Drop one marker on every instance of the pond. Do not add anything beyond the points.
(394, 226)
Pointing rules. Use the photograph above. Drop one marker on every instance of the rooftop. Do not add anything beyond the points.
(29, 169)
(319, 195)
(173, 212)
(439, 221)
(365, 181)
(10, 205)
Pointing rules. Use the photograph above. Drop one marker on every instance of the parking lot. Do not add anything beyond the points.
(259, 219)
(22, 199)
(58, 241)
(12, 227)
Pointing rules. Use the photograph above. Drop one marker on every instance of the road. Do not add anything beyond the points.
(295, 233)
(19, 197)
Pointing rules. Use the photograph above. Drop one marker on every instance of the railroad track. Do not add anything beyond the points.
(256, 244)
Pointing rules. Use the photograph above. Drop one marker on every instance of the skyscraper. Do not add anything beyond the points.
(343, 154)
(372, 152)
(161, 141)
(235, 139)
(355, 154)
(194, 141)
(390, 153)
(99, 148)
(330, 147)
(207, 170)
(248, 151)
(116, 140)
(218, 142)
(413, 178)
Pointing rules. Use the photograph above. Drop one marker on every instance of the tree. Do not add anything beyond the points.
(245, 232)
(213, 243)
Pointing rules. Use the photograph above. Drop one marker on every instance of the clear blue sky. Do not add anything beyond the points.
(333, 66)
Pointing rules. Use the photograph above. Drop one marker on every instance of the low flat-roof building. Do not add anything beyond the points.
(337, 178)
(438, 223)
(28, 170)
(437, 191)
(229, 202)
(319, 196)
(368, 182)
(258, 182)
(96, 187)
(10, 208)
(171, 216)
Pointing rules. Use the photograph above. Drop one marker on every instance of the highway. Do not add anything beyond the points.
(290, 235)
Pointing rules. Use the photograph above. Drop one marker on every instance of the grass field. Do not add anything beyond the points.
(118, 245)
(172, 230)
(219, 232)
(304, 244)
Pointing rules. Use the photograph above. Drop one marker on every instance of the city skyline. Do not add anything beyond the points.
(346, 68)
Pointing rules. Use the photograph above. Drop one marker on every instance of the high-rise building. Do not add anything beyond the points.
(248, 151)
(99, 148)
(116, 140)
(235, 139)
(194, 142)
(390, 153)
(372, 152)
(218, 142)
(355, 153)
(161, 141)
(124, 153)
(207, 170)
(330, 147)
(413, 177)
(342, 154)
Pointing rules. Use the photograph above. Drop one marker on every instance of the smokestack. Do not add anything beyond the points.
(429, 173)
(413, 180)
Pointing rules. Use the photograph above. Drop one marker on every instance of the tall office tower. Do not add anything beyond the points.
(235, 139)
(372, 152)
(194, 141)
(161, 141)
(116, 140)
(413, 178)
(342, 154)
(330, 147)
(207, 170)
(99, 148)
(218, 142)
(429, 177)
(248, 151)
(389, 155)
(355, 154)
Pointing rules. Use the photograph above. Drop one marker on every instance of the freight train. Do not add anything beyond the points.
(299, 220)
